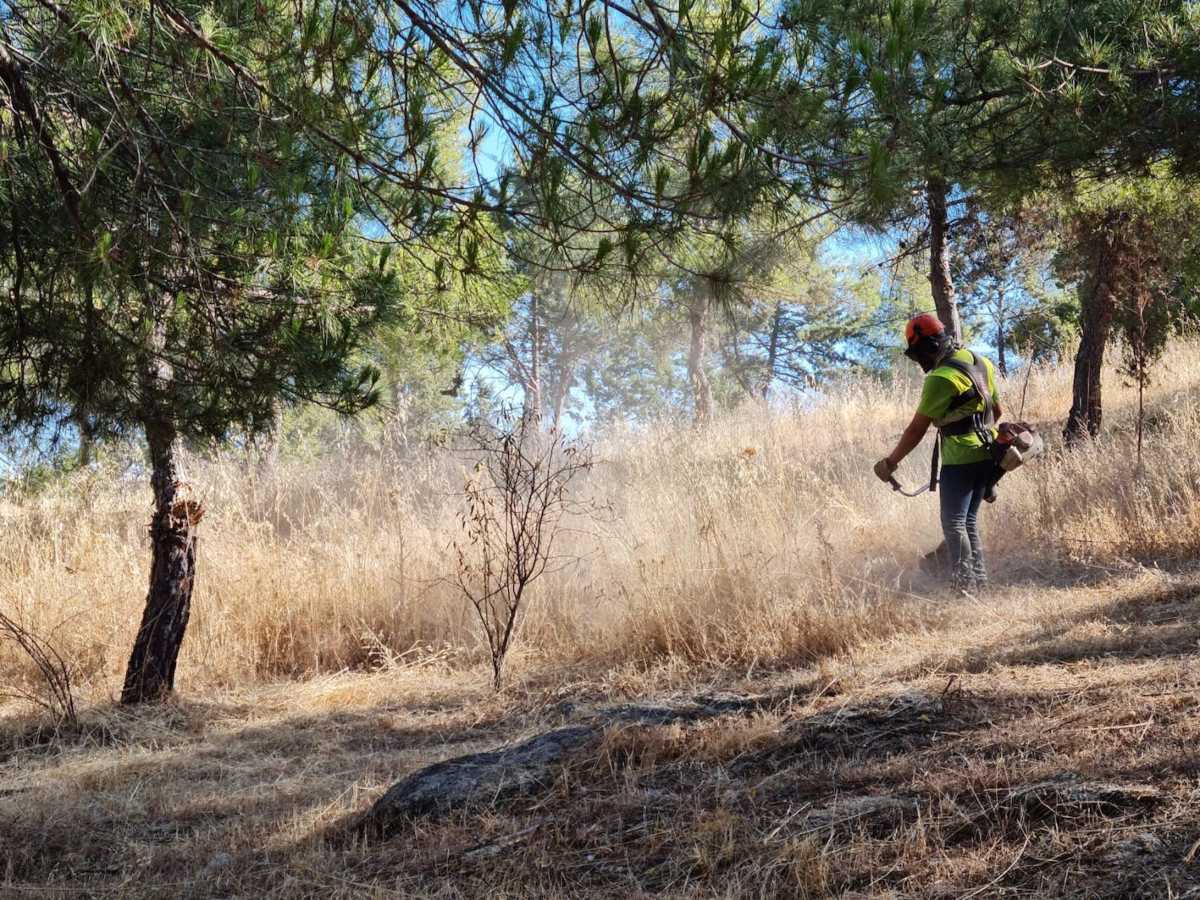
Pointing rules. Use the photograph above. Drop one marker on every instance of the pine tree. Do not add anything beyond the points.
(1134, 243)
(200, 262)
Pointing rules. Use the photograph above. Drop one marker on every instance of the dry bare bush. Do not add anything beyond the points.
(57, 696)
(516, 498)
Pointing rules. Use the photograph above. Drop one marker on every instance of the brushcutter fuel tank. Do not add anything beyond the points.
(1016, 444)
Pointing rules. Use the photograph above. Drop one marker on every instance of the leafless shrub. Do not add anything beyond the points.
(516, 498)
(58, 698)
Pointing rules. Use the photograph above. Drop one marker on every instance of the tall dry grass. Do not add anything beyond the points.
(762, 540)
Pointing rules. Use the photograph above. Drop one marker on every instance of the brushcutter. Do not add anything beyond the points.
(896, 486)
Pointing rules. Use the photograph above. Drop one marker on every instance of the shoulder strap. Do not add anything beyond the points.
(980, 389)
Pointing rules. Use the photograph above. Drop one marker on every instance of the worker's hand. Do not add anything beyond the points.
(884, 469)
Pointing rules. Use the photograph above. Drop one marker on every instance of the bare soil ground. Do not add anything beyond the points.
(1043, 747)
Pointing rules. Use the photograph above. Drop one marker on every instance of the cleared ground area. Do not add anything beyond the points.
(1040, 744)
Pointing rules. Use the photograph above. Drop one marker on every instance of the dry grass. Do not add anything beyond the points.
(327, 657)
(762, 542)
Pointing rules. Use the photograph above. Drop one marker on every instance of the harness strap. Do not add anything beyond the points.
(979, 390)
(934, 464)
(962, 426)
(979, 423)
(970, 395)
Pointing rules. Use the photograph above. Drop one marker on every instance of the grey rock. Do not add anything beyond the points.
(489, 776)
(523, 768)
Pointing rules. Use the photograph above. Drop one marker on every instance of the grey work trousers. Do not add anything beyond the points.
(962, 488)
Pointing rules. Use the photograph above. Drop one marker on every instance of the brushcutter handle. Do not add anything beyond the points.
(896, 486)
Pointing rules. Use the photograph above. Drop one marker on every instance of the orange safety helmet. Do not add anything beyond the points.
(922, 326)
(927, 340)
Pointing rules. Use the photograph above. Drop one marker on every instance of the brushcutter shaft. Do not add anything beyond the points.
(896, 486)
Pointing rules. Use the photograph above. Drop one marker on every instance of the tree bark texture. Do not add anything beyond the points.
(702, 397)
(942, 286)
(1097, 308)
(83, 399)
(85, 454)
(150, 675)
(151, 672)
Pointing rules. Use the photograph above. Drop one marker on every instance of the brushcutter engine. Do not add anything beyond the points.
(1016, 443)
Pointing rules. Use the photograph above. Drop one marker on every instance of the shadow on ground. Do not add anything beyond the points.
(1164, 622)
(1073, 786)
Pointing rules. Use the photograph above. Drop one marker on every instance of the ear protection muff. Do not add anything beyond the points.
(929, 346)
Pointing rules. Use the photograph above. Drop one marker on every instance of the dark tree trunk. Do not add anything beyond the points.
(702, 397)
(940, 282)
(772, 351)
(151, 672)
(1096, 314)
(85, 440)
(83, 390)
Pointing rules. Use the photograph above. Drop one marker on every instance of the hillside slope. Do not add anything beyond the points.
(849, 728)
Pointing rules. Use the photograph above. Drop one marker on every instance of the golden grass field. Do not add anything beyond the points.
(328, 656)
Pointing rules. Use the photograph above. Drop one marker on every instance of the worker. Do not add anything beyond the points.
(959, 398)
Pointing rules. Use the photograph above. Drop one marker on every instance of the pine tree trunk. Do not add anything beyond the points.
(772, 351)
(702, 398)
(940, 282)
(1097, 308)
(150, 675)
(85, 453)
(82, 422)
(533, 390)
(151, 672)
